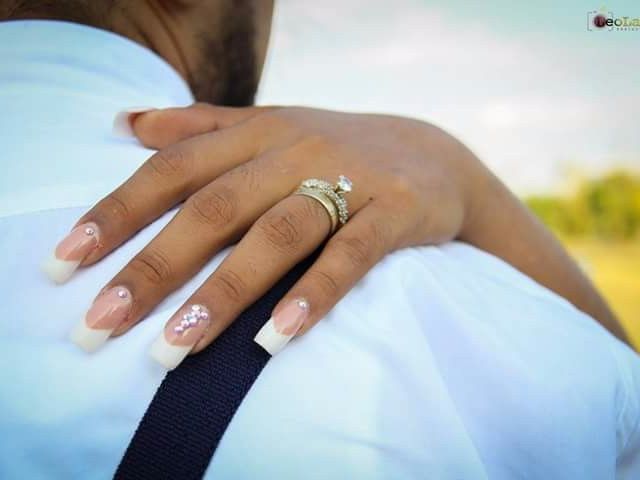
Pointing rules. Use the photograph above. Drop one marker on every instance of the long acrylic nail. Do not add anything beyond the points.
(276, 333)
(122, 122)
(180, 334)
(108, 311)
(71, 251)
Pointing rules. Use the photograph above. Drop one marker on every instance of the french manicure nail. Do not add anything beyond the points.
(122, 121)
(180, 334)
(108, 311)
(71, 251)
(276, 333)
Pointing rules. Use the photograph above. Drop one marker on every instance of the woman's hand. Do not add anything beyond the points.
(410, 187)
(235, 171)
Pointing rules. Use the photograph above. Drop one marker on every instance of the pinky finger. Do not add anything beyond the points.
(160, 128)
(346, 258)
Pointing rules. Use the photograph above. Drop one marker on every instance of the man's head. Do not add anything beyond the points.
(218, 46)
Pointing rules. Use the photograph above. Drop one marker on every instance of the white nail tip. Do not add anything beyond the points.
(270, 339)
(89, 339)
(166, 354)
(58, 270)
(121, 124)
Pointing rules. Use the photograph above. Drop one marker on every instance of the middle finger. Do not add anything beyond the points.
(281, 238)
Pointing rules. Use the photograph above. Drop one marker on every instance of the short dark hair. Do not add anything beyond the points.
(227, 73)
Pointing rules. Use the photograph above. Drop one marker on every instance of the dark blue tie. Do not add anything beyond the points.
(189, 413)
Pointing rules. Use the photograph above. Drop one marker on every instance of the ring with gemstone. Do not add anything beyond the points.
(330, 196)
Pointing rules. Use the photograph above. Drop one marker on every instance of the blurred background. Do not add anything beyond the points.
(545, 98)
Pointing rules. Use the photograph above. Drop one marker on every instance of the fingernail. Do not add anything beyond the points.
(123, 119)
(71, 251)
(281, 328)
(108, 311)
(180, 334)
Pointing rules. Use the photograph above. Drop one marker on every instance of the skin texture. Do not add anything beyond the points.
(413, 185)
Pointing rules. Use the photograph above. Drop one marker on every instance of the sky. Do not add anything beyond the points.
(535, 94)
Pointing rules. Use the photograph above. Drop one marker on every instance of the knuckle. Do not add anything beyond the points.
(404, 190)
(153, 266)
(215, 208)
(327, 285)
(358, 251)
(282, 231)
(285, 162)
(247, 175)
(170, 162)
(230, 284)
(400, 184)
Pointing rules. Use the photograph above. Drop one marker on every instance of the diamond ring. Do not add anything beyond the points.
(331, 197)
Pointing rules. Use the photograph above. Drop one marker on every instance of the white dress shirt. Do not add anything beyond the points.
(443, 362)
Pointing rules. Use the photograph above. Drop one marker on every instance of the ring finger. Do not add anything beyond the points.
(280, 239)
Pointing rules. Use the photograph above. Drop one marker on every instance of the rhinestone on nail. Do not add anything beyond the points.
(122, 293)
(89, 231)
(191, 318)
(303, 304)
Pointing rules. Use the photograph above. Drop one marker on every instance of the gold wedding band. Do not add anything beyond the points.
(324, 201)
(331, 197)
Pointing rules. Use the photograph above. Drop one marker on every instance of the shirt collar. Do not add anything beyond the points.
(65, 44)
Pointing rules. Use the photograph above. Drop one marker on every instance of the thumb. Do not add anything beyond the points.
(158, 128)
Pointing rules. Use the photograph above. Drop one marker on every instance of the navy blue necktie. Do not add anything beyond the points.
(189, 413)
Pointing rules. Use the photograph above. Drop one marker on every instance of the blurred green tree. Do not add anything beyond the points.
(607, 207)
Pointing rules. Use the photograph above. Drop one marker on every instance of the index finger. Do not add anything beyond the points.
(164, 180)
